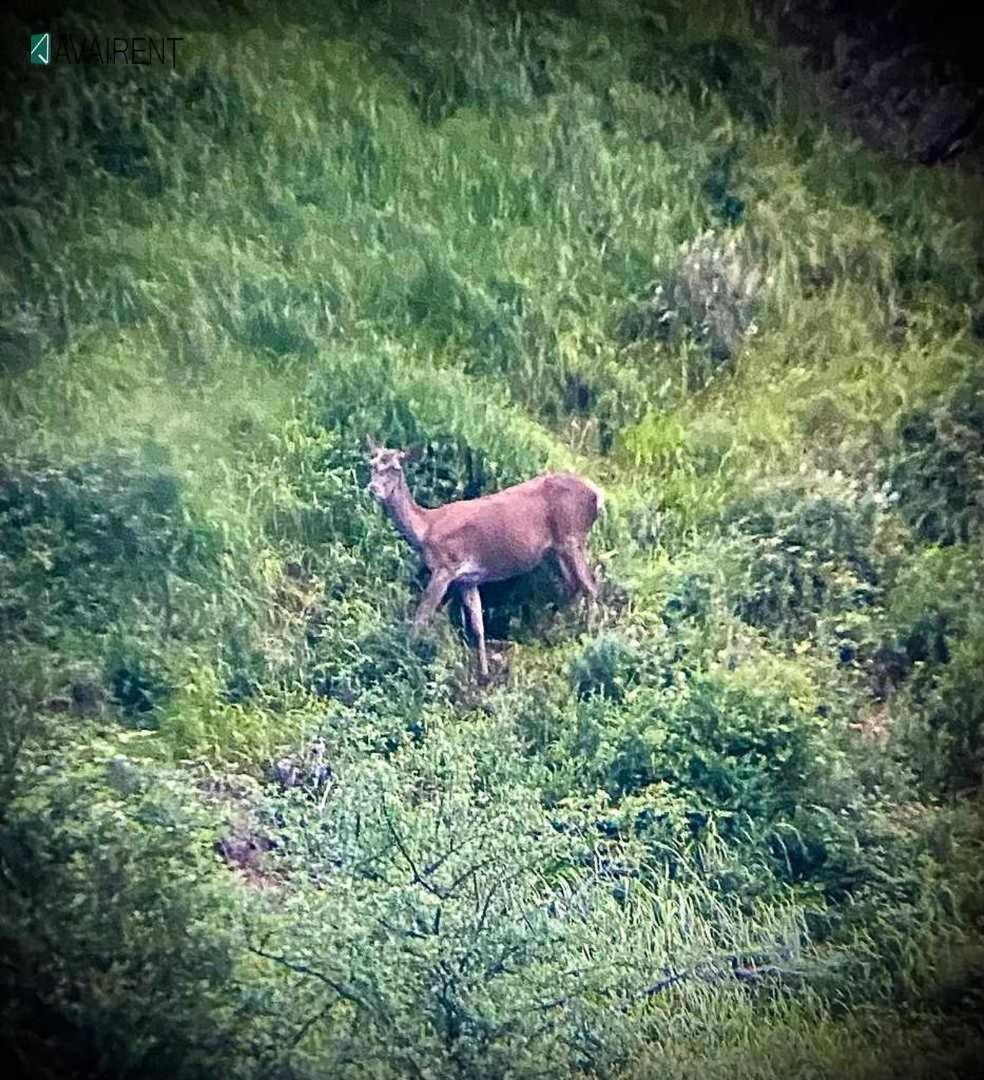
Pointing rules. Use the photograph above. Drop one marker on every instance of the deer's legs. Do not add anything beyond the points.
(473, 603)
(573, 554)
(566, 572)
(433, 595)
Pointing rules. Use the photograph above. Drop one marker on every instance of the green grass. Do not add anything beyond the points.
(448, 228)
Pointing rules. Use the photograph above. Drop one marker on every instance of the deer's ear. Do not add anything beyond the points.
(371, 445)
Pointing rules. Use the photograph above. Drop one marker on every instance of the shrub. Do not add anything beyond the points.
(465, 929)
(120, 946)
(736, 70)
(710, 297)
(925, 613)
(86, 543)
(935, 465)
(200, 723)
(607, 665)
(405, 401)
(956, 714)
(810, 553)
(939, 720)
(456, 59)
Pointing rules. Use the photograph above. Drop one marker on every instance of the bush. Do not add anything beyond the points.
(457, 59)
(711, 296)
(734, 69)
(482, 934)
(88, 543)
(810, 554)
(935, 465)
(956, 714)
(468, 424)
(939, 721)
(607, 665)
(925, 614)
(119, 936)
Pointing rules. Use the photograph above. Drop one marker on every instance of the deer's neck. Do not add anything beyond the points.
(407, 515)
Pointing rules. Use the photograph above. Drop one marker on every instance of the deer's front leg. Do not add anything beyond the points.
(473, 604)
(433, 595)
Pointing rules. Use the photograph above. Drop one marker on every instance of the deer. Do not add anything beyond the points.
(469, 542)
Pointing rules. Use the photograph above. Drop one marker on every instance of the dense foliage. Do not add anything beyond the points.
(250, 826)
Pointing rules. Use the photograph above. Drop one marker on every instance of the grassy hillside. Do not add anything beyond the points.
(249, 825)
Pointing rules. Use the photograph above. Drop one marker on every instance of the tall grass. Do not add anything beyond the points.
(724, 831)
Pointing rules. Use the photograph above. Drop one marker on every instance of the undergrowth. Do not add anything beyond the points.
(249, 823)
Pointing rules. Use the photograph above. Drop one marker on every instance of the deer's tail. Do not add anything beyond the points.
(598, 494)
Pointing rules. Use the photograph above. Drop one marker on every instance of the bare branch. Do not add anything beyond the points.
(341, 989)
(436, 890)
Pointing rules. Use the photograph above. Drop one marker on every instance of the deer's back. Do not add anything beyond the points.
(511, 530)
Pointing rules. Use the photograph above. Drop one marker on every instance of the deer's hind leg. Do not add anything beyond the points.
(572, 552)
(570, 582)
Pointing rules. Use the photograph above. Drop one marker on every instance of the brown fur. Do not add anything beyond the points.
(491, 538)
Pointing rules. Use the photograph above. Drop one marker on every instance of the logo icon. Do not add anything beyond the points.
(40, 48)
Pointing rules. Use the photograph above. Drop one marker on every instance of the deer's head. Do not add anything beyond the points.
(387, 470)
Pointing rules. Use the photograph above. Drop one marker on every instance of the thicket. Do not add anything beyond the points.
(248, 823)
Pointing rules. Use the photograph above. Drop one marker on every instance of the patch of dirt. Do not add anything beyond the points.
(245, 845)
(244, 848)
(875, 725)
